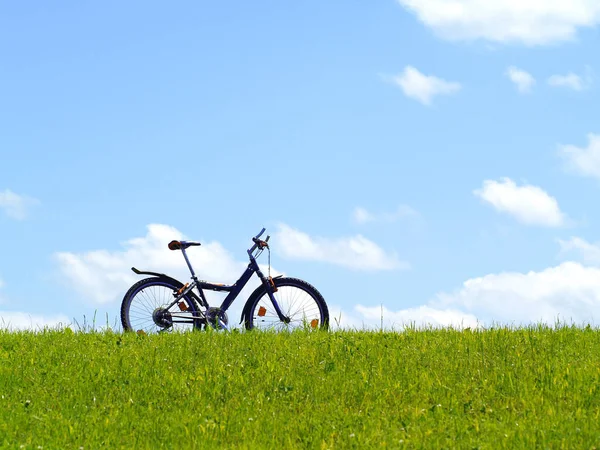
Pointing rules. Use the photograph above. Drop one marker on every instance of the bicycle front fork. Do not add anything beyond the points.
(271, 289)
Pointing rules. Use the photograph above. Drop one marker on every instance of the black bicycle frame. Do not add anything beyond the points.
(233, 289)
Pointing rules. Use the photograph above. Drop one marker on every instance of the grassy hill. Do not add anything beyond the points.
(500, 388)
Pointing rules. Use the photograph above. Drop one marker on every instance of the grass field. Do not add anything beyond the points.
(499, 388)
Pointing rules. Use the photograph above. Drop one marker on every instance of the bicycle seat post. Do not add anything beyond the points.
(188, 263)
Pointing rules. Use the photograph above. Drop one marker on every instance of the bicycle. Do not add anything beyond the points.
(161, 303)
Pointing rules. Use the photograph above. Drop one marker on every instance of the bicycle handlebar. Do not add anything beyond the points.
(258, 242)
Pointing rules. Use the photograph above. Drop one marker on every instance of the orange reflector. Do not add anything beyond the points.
(314, 323)
(141, 332)
(182, 306)
(262, 311)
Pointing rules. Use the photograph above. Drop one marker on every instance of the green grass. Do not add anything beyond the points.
(500, 388)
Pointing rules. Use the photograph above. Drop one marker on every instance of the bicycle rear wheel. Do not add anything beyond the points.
(144, 308)
(297, 299)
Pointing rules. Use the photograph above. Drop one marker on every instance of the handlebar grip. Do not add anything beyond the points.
(260, 234)
(267, 239)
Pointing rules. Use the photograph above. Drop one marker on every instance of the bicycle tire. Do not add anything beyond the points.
(253, 315)
(146, 284)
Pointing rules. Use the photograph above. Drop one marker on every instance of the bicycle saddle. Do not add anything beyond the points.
(182, 245)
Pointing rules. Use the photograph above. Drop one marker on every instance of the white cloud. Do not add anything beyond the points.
(530, 205)
(102, 276)
(355, 252)
(421, 317)
(584, 161)
(16, 320)
(362, 216)
(523, 80)
(423, 88)
(569, 292)
(531, 22)
(16, 206)
(590, 253)
(570, 81)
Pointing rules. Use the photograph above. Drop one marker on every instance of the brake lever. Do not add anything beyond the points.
(262, 244)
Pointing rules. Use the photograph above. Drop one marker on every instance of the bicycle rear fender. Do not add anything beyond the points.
(171, 279)
(156, 274)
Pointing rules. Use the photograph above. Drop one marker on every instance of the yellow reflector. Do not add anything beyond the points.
(183, 306)
(262, 311)
(314, 323)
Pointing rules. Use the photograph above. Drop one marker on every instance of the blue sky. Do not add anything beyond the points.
(434, 158)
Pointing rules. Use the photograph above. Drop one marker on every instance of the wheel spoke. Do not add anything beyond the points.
(144, 309)
(296, 302)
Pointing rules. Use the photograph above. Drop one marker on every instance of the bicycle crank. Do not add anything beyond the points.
(217, 317)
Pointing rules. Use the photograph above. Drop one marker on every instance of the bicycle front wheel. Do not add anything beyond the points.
(145, 308)
(297, 299)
